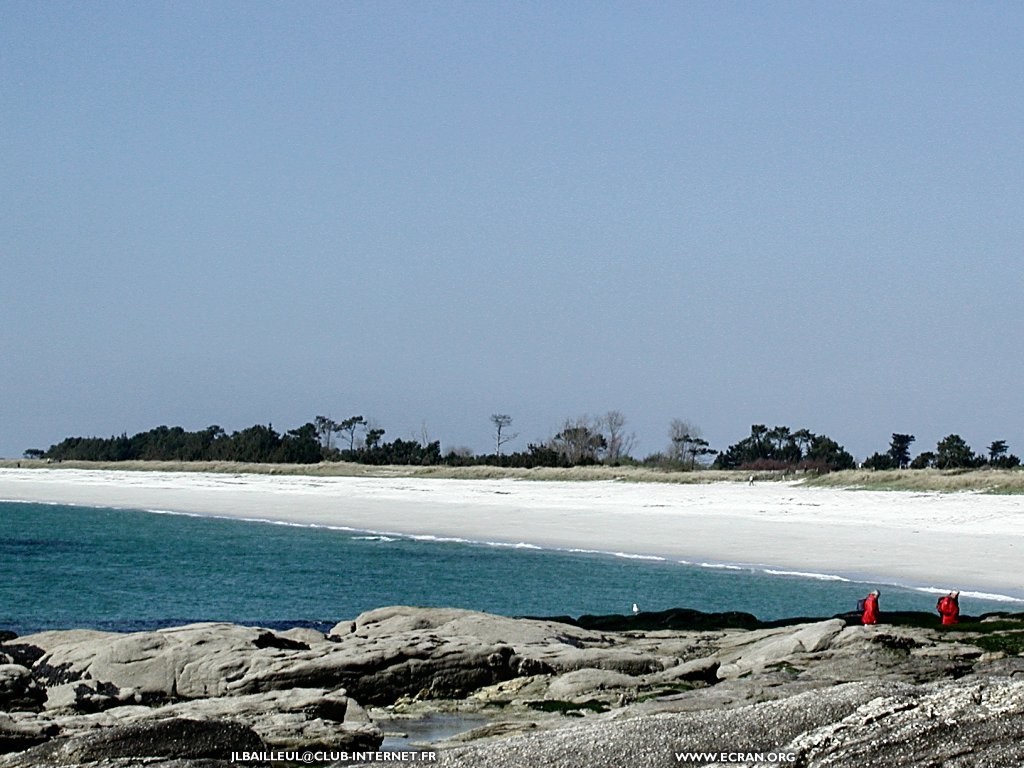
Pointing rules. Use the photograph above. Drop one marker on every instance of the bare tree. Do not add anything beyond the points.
(580, 441)
(619, 443)
(501, 422)
(681, 435)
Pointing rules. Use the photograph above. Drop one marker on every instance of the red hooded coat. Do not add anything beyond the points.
(949, 609)
(870, 615)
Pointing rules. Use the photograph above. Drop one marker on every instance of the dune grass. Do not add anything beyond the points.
(347, 469)
(1001, 481)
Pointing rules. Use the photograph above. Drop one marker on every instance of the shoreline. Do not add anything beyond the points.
(763, 568)
(925, 541)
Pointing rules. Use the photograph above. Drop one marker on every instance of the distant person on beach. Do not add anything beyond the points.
(948, 607)
(870, 614)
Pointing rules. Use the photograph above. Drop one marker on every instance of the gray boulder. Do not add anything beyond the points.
(193, 661)
(285, 719)
(380, 657)
(20, 731)
(18, 689)
(212, 660)
(962, 723)
(300, 718)
(456, 622)
(462, 650)
(292, 689)
(953, 723)
(622, 739)
(592, 684)
(742, 653)
(907, 654)
(173, 739)
(90, 696)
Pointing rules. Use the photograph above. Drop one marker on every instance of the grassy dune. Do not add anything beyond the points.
(345, 469)
(1005, 481)
(1000, 481)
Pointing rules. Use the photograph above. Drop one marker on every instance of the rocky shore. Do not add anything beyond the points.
(598, 691)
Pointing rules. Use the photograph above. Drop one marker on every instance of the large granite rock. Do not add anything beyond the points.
(20, 731)
(741, 653)
(18, 689)
(496, 647)
(91, 683)
(193, 661)
(173, 738)
(210, 660)
(812, 687)
(299, 718)
(952, 723)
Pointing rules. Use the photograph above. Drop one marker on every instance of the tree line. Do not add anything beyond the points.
(579, 442)
(784, 449)
(258, 443)
(951, 452)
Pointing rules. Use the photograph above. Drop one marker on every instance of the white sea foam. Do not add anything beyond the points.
(991, 596)
(806, 575)
(634, 556)
(725, 566)
(970, 594)
(440, 539)
(173, 512)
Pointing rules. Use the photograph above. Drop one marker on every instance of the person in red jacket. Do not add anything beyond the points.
(870, 615)
(949, 607)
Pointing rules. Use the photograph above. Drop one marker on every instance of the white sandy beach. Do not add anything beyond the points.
(967, 541)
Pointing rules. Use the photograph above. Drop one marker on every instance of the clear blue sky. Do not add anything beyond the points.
(798, 213)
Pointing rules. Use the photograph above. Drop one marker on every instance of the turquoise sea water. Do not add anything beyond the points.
(64, 566)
